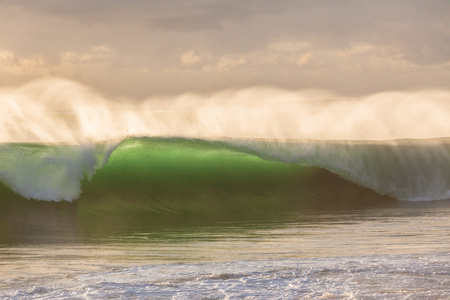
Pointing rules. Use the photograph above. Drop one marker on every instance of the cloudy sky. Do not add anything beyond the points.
(141, 48)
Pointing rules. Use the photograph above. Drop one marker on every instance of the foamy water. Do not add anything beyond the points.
(387, 253)
(377, 277)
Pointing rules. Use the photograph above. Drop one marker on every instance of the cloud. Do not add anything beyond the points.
(190, 58)
(304, 59)
(20, 66)
(292, 46)
(228, 61)
(94, 56)
(187, 23)
(5, 57)
(149, 46)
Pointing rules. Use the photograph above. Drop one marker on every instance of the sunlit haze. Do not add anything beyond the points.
(56, 110)
(104, 70)
(145, 48)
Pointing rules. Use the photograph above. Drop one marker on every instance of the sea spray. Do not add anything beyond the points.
(50, 172)
(64, 126)
(405, 169)
(62, 111)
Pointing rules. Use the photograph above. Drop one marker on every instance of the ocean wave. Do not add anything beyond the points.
(56, 134)
(171, 167)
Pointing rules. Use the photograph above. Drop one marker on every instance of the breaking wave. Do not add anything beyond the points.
(153, 167)
(59, 139)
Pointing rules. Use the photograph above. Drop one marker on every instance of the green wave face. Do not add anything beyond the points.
(157, 169)
(150, 182)
(175, 181)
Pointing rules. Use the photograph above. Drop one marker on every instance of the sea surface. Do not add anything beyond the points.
(225, 218)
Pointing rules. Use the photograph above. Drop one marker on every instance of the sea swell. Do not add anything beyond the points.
(403, 169)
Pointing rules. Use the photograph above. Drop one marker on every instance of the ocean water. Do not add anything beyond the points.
(258, 193)
(225, 218)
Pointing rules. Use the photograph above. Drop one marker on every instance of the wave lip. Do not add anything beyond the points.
(407, 169)
(50, 172)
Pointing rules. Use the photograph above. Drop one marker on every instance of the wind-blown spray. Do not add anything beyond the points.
(314, 127)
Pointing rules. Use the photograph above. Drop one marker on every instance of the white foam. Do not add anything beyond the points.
(375, 277)
(50, 172)
(414, 170)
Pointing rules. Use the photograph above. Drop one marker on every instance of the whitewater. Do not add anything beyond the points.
(241, 194)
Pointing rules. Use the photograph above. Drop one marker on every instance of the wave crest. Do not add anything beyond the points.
(404, 169)
(50, 172)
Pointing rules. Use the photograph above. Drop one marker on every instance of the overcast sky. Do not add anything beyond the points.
(141, 48)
